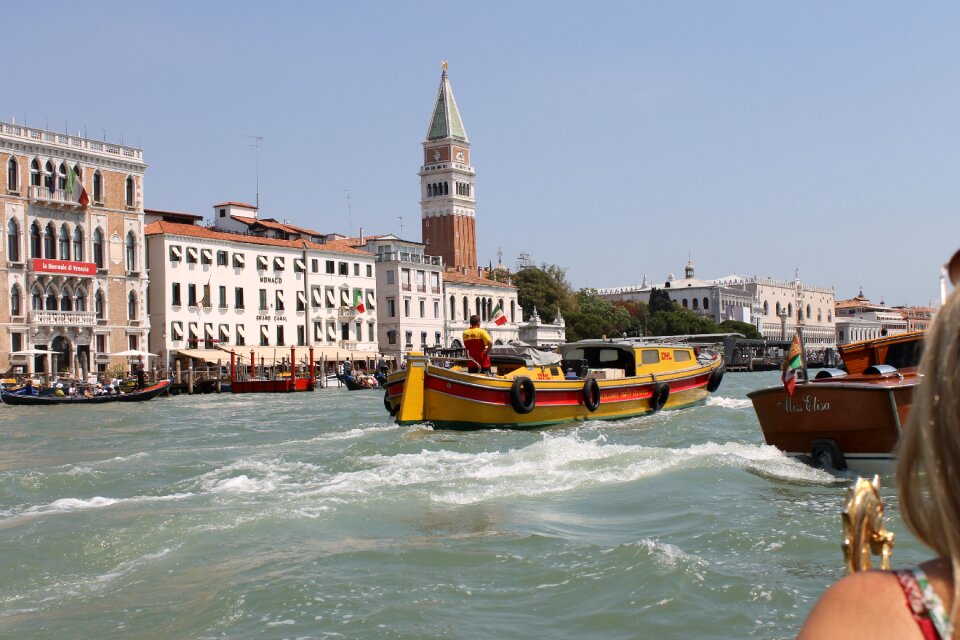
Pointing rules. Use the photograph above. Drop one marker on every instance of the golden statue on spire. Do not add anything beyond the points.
(444, 66)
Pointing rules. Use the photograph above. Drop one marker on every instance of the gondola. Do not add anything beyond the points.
(354, 383)
(148, 393)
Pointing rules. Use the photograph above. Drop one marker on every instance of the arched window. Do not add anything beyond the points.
(48, 177)
(808, 312)
(13, 240)
(62, 176)
(466, 309)
(81, 301)
(50, 242)
(696, 304)
(766, 307)
(36, 299)
(819, 315)
(36, 178)
(98, 304)
(513, 310)
(13, 175)
(15, 300)
(131, 252)
(453, 308)
(97, 186)
(78, 244)
(132, 306)
(98, 248)
(131, 191)
(446, 188)
(706, 303)
(36, 241)
(66, 303)
(778, 309)
(790, 309)
(684, 303)
(476, 307)
(64, 247)
(51, 300)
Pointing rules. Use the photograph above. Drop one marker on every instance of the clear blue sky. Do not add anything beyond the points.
(614, 139)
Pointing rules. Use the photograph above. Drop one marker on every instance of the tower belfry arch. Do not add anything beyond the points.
(447, 184)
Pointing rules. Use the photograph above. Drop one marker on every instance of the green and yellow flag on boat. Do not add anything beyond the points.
(792, 365)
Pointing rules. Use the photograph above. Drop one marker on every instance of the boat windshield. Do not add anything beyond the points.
(602, 356)
(904, 354)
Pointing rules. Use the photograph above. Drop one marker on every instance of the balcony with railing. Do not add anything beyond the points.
(406, 256)
(64, 318)
(73, 143)
(57, 196)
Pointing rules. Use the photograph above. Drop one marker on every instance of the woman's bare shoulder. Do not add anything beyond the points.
(868, 604)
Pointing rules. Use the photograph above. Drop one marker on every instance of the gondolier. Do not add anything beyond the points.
(477, 342)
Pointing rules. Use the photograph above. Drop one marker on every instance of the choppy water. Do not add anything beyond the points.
(310, 516)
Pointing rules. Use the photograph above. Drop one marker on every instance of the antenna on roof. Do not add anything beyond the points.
(400, 218)
(349, 213)
(256, 146)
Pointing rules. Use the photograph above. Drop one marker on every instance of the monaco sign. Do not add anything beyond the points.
(64, 267)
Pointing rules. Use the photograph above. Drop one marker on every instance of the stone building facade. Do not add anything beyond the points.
(73, 270)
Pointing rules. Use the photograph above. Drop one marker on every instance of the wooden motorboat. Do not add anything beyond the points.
(14, 398)
(587, 380)
(848, 417)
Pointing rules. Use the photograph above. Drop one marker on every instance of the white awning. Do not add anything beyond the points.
(299, 265)
(224, 333)
(331, 298)
(192, 330)
(176, 329)
(317, 298)
(265, 332)
(176, 253)
(278, 264)
(239, 260)
(241, 331)
(207, 255)
(301, 298)
(208, 331)
(344, 297)
(331, 333)
(192, 254)
(262, 262)
(371, 299)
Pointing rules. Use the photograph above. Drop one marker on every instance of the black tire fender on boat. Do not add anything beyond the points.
(591, 394)
(389, 406)
(523, 395)
(828, 452)
(661, 393)
(716, 376)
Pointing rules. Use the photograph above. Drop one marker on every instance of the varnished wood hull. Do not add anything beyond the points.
(861, 416)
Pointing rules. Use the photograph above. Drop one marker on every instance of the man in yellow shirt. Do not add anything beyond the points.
(477, 342)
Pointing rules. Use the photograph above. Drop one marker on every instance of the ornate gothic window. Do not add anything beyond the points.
(13, 175)
(36, 178)
(98, 304)
(131, 192)
(15, 300)
(13, 241)
(98, 248)
(36, 241)
(78, 244)
(98, 187)
(132, 306)
(131, 252)
(64, 247)
(50, 242)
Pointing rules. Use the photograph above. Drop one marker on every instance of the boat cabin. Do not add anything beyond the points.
(901, 351)
(607, 359)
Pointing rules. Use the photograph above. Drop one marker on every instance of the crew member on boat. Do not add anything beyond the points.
(477, 342)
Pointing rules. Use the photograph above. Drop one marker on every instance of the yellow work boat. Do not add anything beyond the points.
(586, 380)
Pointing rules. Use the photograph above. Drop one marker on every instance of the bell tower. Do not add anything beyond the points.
(447, 192)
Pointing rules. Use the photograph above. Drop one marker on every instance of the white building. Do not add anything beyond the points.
(543, 335)
(409, 295)
(213, 289)
(470, 292)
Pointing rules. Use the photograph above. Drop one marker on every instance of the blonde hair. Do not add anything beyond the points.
(928, 462)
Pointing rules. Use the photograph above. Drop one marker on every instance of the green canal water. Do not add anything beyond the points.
(311, 516)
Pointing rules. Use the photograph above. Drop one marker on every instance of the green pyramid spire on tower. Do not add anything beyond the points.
(446, 122)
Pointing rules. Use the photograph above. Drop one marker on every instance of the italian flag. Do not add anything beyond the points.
(498, 317)
(358, 301)
(75, 187)
(792, 365)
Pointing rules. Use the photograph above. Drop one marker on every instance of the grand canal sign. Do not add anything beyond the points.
(64, 267)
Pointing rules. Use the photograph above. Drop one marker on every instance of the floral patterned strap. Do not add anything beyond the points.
(935, 609)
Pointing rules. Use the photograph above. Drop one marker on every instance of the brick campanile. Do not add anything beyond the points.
(447, 192)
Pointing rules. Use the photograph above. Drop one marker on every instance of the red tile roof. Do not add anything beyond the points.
(195, 231)
(236, 204)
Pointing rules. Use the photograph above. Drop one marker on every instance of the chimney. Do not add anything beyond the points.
(361, 235)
